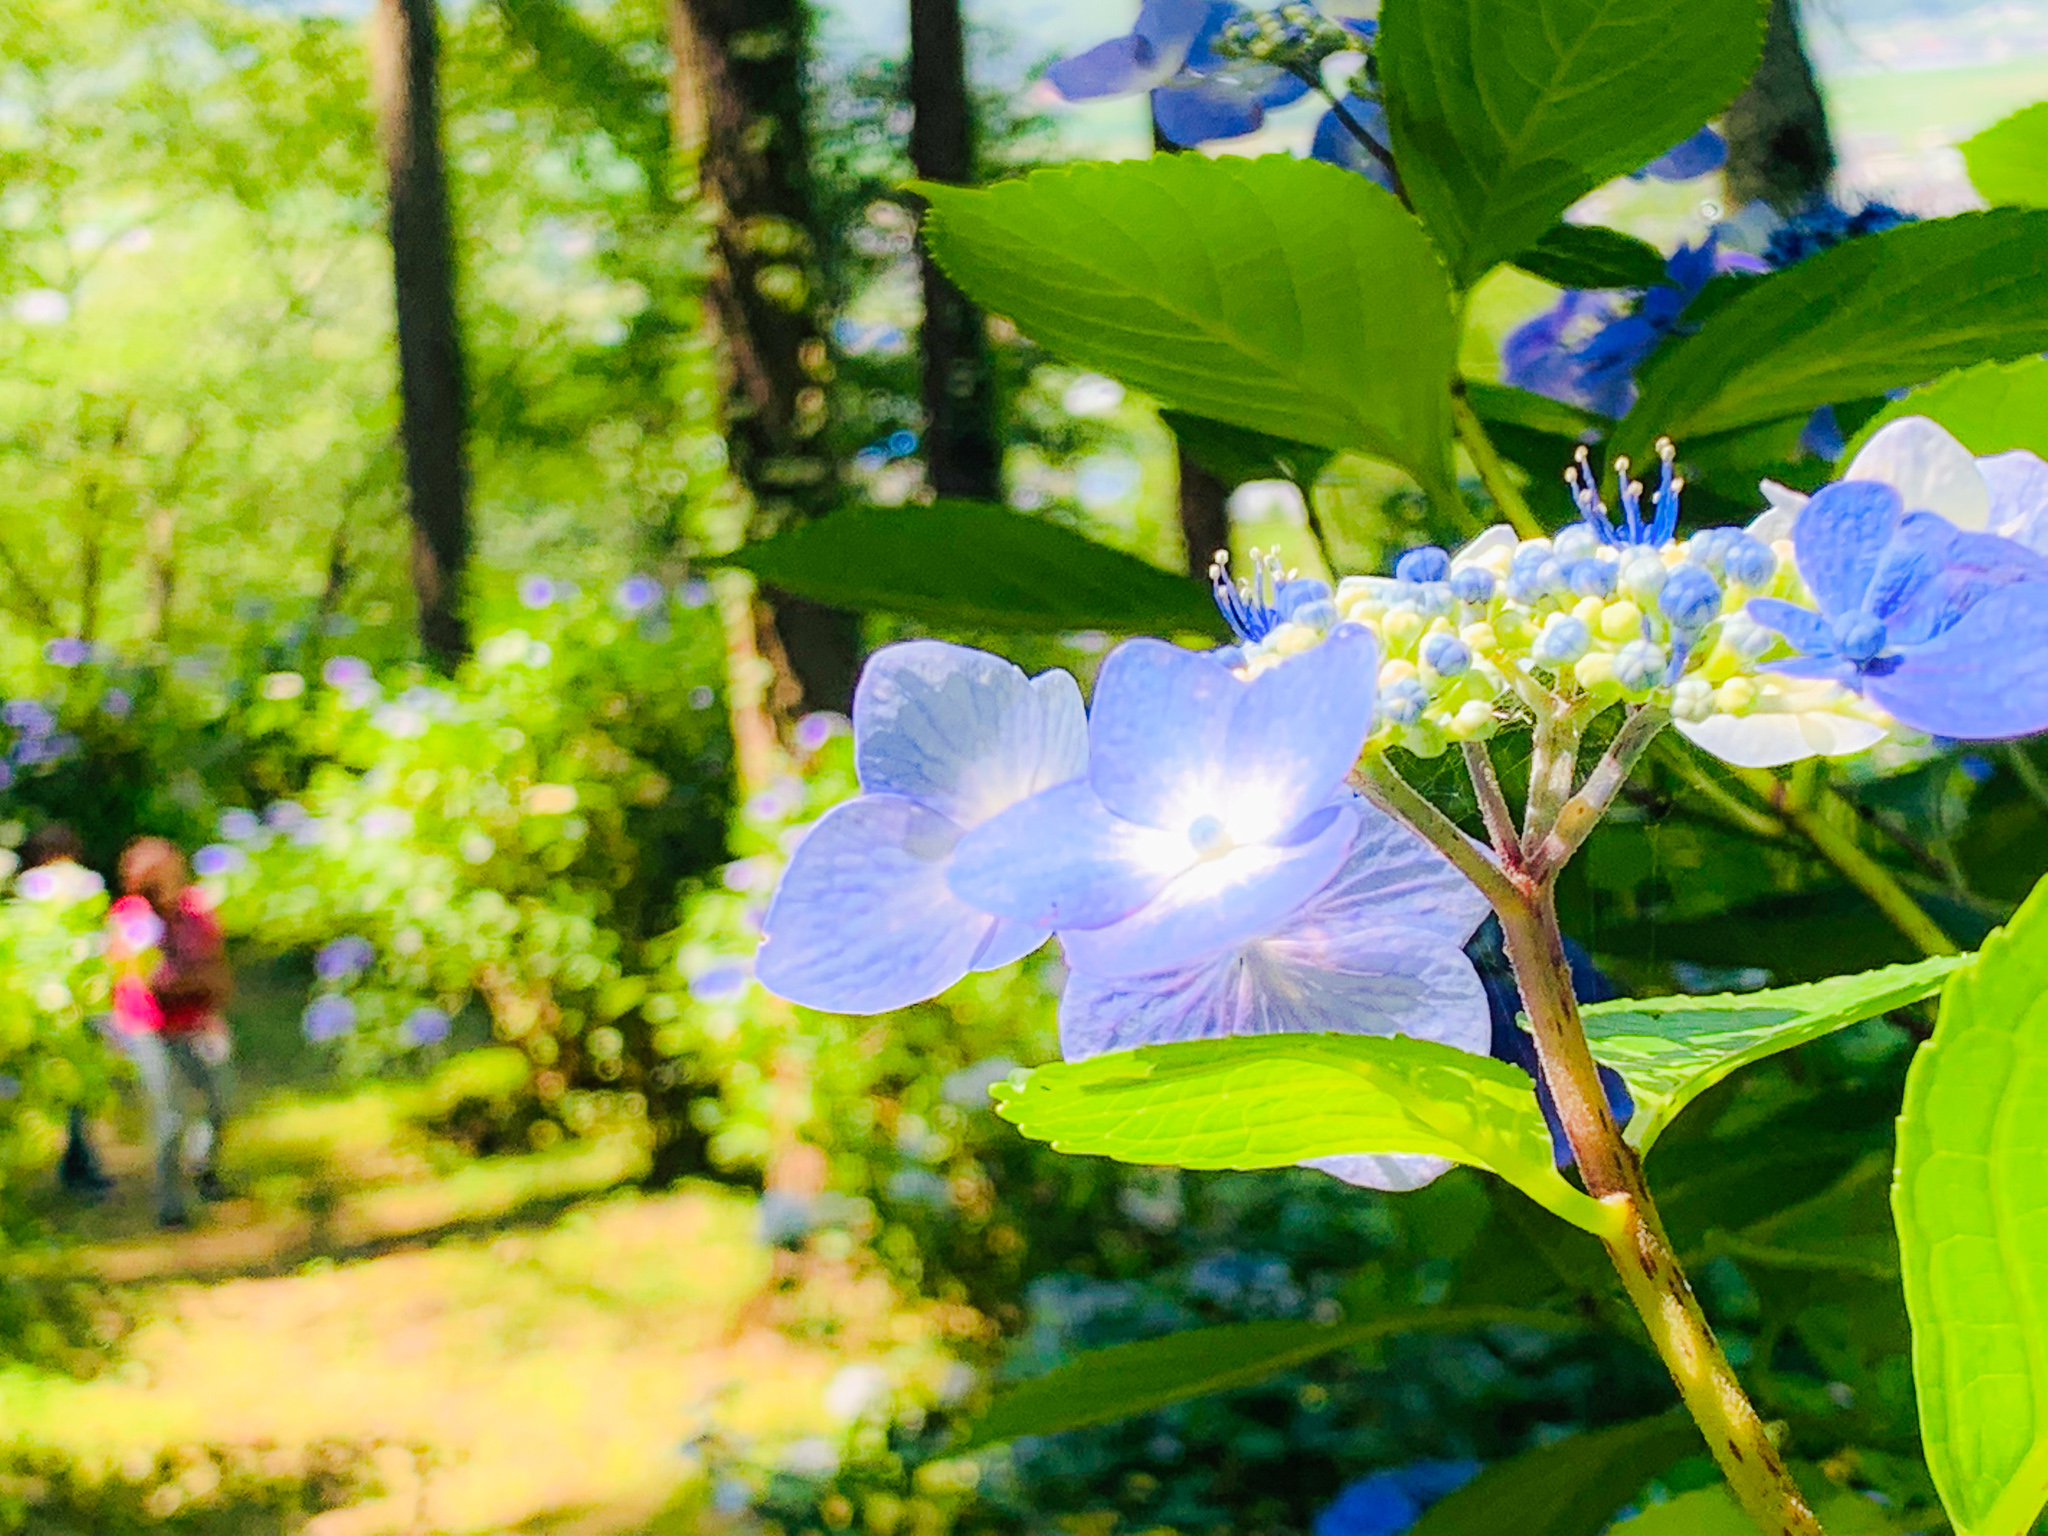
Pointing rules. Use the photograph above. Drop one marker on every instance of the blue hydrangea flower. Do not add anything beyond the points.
(944, 738)
(1942, 628)
(2003, 493)
(1825, 223)
(1379, 950)
(425, 1026)
(218, 859)
(67, 652)
(343, 959)
(1693, 156)
(328, 1018)
(1585, 350)
(1213, 806)
(1196, 95)
(636, 594)
(1388, 1503)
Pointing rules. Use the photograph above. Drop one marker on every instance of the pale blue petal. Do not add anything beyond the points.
(1838, 537)
(863, 921)
(962, 731)
(1155, 738)
(1215, 906)
(1061, 859)
(1008, 942)
(1297, 731)
(1807, 630)
(1122, 66)
(1395, 1173)
(1370, 980)
(1394, 878)
(1981, 680)
(2018, 483)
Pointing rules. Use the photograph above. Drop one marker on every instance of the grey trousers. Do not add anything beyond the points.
(205, 1062)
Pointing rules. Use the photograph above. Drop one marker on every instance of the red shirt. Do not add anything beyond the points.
(190, 937)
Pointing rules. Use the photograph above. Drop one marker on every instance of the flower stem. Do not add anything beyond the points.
(2029, 775)
(1809, 818)
(1642, 1253)
(1583, 811)
(1379, 782)
(1493, 470)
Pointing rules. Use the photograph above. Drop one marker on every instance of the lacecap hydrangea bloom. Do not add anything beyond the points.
(1198, 852)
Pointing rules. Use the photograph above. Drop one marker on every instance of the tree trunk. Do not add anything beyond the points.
(1779, 151)
(739, 111)
(963, 451)
(1204, 500)
(433, 412)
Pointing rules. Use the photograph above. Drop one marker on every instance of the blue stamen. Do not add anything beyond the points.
(1250, 607)
(1634, 531)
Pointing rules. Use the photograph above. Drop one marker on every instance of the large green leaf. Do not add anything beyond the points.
(1571, 1487)
(1971, 1199)
(1124, 1379)
(1672, 1049)
(979, 566)
(1872, 314)
(1268, 1101)
(1238, 455)
(1278, 294)
(1503, 116)
(1991, 408)
(1591, 256)
(2008, 161)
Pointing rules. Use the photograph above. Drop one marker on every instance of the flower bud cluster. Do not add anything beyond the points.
(1297, 38)
(1597, 614)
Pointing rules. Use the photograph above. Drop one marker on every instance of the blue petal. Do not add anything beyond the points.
(1705, 151)
(1008, 942)
(1807, 630)
(1062, 859)
(1838, 537)
(1198, 110)
(1217, 904)
(1297, 731)
(1393, 878)
(1393, 1173)
(1983, 678)
(863, 921)
(1931, 573)
(1821, 437)
(1172, 28)
(1155, 738)
(1336, 144)
(962, 731)
(1123, 66)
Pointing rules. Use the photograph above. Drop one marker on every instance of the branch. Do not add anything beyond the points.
(1493, 805)
(1493, 470)
(1583, 811)
(1379, 782)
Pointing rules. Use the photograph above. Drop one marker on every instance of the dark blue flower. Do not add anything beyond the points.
(1388, 1503)
(1942, 628)
(1824, 224)
(1704, 151)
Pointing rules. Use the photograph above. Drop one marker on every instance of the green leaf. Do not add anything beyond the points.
(1672, 1049)
(1503, 116)
(975, 565)
(1238, 455)
(1502, 405)
(1872, 314)
(2008, 162)
(1590, 256)
(1714, 1512)
(1278, 294)
(1992, 408)
(1970, 1196)
(1268, 1101)
(1114, 1383)
(1571, 1487)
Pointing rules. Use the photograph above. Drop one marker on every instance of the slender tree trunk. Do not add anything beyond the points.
(963, 450)
(434, 410)
(1779, 150)
(1204, 500)
(740, 114)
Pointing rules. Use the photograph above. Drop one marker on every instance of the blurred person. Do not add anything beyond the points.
(172, 1017)
(79, 1171)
